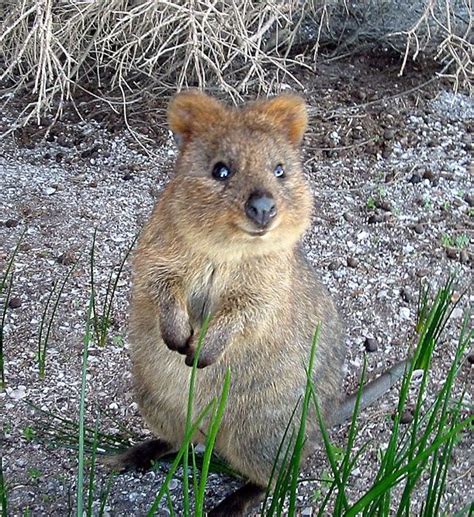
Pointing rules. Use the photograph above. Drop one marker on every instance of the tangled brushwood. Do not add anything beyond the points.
(50, 48)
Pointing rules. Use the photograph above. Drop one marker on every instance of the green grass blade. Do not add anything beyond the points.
(10, 263)
(210, 442)
(189, 415)
(186, 441)
(82, 403)
(110, 294)
(301, 435)
(44, 345)
(2, 327)
(3, 491)
(90, 494)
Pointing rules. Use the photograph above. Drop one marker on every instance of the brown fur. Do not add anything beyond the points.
(199, 255)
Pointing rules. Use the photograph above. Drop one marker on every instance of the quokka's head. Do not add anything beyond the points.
(239, 187)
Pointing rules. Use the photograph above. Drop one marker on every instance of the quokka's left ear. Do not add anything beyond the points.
(287, 112)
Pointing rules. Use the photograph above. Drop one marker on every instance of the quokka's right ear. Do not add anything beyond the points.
(192, 112)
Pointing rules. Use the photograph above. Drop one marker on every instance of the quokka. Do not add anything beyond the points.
(224, 241)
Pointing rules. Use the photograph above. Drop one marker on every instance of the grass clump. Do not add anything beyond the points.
(46, 325)
(102, 319)
(424, 449)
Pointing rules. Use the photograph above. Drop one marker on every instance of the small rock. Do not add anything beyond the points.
(307, 512)
(14, 303)
(407, 416)
(469, 199)
(375, 218)
(420, 273)
(333, 266)
(415, 178)
(383, 204)
(352, 262)
(389, 133)
(348, 217)
(49, 191)
(17, 393)
(371, 344)
(389, 177)
(451, 253)
(67, 258)
(88, 153)
(127, 177)
(406, 295)
(173, 484)
(405, 313)
(386, 152)
(464, 257)
(428, 175)
(418, 228)
(11, 223)
(470, 358)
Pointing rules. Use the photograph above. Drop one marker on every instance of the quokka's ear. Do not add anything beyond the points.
(288, 113)
(191, 112)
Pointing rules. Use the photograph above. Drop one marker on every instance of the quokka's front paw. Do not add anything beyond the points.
(208, 354)
(176, 331)
(205, 358)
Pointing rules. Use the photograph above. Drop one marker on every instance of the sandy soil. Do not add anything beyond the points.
(394, 196)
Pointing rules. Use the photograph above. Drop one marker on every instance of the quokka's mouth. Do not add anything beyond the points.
(258, 232)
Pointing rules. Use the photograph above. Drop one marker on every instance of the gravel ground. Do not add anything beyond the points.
(394, 194)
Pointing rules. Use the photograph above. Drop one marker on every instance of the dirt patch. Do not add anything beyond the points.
(393, 186)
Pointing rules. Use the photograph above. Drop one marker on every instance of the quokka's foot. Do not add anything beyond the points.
(139, 457)
(239, 503)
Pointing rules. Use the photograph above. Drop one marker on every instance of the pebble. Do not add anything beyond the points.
(415, 178)
(17, 393)
(470, 358)
(428, 175)
(418, 228)
(11, 223)
(420, 273)
(352, 262)
(407, 416)
(127, 177)
(333, 266)
(383, 204)
(376, 218)
(405, 313)
(348, 217)
(14, 303)
(406, 295)
(66, 259)
(49, 191)
(307, 512)
(452, 253)
(389, 133)
(464, 257)
(469, 199)
(371, 344)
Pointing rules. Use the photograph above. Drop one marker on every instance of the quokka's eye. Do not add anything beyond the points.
(279, 171)
(221, 171)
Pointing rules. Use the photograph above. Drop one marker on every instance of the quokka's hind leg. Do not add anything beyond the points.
(139, 457)
(240, 502)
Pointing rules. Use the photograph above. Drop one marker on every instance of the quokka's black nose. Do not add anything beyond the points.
(260, 208)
